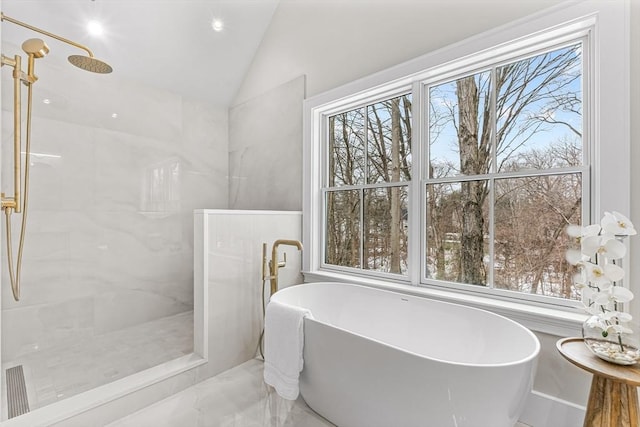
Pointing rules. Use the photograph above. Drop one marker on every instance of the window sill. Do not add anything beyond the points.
(546, 320)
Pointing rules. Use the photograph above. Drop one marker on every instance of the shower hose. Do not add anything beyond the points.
(261, 339)
(15, 275)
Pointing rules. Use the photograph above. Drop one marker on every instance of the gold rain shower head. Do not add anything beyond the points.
(88, 63)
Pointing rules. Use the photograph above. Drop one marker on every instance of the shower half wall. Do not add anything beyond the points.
(117, 170)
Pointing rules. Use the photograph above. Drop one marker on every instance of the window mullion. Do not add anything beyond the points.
(491, 263)
(362, 226)
(493, 118)
(365, 166)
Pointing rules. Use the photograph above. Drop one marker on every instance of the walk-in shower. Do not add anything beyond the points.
(117, 165)
(18, 203)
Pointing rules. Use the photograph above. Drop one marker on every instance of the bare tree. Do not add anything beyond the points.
(532, 96)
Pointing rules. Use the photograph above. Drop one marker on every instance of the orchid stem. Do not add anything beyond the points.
(620, 342)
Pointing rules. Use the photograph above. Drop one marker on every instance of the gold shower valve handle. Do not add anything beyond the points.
(284, 262)
(8, 202)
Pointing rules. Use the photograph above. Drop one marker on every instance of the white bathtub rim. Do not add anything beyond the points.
(522, 361)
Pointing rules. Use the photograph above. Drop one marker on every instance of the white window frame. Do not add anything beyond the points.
(530, 46)
(607, 60)
(392, 91)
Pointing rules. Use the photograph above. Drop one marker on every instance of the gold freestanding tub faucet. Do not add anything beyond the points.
(274, 264)
(270, 271)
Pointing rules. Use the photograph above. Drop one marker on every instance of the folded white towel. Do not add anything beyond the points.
(283, 345)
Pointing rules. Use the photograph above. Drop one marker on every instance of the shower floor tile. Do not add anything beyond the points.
(67, 369)
(236, 398)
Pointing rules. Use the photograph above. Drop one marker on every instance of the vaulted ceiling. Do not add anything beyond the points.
(164, 43)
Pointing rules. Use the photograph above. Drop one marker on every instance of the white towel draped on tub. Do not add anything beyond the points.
(283, 343)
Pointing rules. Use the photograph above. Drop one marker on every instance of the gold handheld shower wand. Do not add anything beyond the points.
(34, 48)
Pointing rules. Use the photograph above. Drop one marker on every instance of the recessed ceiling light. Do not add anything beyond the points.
(95, 28)
(114, 115)
(217, 25)
(46, 101)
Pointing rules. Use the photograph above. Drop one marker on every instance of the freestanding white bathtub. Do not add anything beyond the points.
(376, 358)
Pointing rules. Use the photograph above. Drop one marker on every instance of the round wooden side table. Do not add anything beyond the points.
(613, 398)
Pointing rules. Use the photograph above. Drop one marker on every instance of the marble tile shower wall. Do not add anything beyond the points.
(117, 170)
(232, 273)
(265, 149)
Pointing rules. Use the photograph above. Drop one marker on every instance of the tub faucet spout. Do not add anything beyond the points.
(274, 264)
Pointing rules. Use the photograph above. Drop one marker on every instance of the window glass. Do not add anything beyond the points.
(459, 128)
(385, 228)
(380, 243)
(457, 230)
(389, 140)
(343, 228)
(531, 215)
(506, 231)
(539, 109)
(346, 148)
(503, 171)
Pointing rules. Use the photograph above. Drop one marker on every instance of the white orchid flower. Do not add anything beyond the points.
(591, 230)
(620, 294)
(615, 294)
(574, 231)
(604, 246)
(587, 296)
(613, 272)
(602, 298)
(613, 249)
(596, 274)
(617, 316)
(617, 224)
(592, 309)
(618, 329)
(597, 322)
(585, 290)
(578, 232)
(575, 257)
(579, 280)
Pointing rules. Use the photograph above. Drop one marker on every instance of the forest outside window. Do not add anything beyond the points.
(506, 174)
(366, 192)
(504, 171)
(456, 173)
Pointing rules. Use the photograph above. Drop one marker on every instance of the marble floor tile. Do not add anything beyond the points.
(69, 368)
(236, 398)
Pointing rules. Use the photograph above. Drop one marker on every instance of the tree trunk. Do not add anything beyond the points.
(473, 160)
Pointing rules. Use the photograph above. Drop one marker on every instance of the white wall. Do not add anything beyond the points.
(334, 42)
(265, 153)
(634, 262)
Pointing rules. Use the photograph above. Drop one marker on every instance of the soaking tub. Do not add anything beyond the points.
(376, 358)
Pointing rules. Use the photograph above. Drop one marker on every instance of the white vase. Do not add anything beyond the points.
(622, 349)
